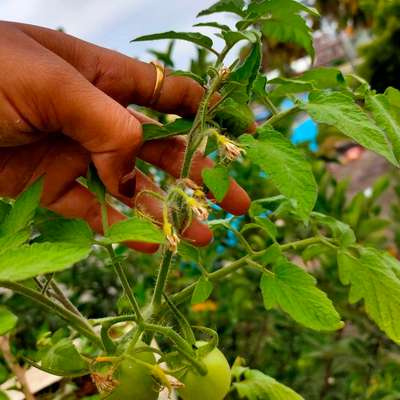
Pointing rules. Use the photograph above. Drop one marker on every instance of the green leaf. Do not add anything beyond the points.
(234, 117)
(40, 258)
(194, 37)
(213, 24)
(95, 185)
(393, 96)
(233, 37)
(14, 240)
(387, 118)
(66, 230)
(23, 210)
(190, 75)
(289, 28)
(254, 385)
(231, 6)
(8, 320)
(268, 226)
(180, 126)
(217, 180)
(266, 7)
(285, 165)
(339, 229)
(293, 289)
(64, 357)
(4, 210)
(134, 229)
(202, 290)
(340, 111)
(242, 78)
(373, 279)
(316, 78)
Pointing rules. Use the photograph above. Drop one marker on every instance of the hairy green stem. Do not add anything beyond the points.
(161, 279)
(79, 324)
(119, 270)
(280, 116)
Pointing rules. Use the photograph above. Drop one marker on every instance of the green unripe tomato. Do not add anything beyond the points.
(213, 386)
(135, 380)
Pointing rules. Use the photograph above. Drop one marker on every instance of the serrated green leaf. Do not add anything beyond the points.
(8, 320)
(373, 279)
(254, 385)
(339, 110)
(202, 290)
(387, 118)
(231, 6)
(66, 230)
(285, 165)
(289, 28)
(294, 290)
(63, 356)
(180, 126)
(193, 37)
(38, 259)
(23, 210)
(134, 229)
(217, 180)
(339, 229)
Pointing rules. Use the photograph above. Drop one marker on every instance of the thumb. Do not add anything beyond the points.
(106, 129)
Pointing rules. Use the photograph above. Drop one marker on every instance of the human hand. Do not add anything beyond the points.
(63, 106)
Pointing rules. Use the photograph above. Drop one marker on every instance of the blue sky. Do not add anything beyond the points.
(113, 23)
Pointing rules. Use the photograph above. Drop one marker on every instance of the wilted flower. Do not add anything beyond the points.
(230, 149)
(104, 382)
(172, 237)
(198, 208)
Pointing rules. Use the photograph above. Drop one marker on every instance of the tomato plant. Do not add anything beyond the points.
(292, 219)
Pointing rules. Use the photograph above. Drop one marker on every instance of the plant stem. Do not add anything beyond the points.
(60, 296)
(78, 323)
(119, 270)
(161, 279)
(182, 346)
(267, 102)
(214, 276)
(280, 116)
(14, 366)
(301, 243)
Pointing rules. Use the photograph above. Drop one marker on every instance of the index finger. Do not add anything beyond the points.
(125, 79)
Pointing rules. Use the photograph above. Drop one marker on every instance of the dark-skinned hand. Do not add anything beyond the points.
(63, 105)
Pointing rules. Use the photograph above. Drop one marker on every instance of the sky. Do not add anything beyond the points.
(113, 23)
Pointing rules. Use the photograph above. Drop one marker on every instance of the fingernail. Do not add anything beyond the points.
(127, 184)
